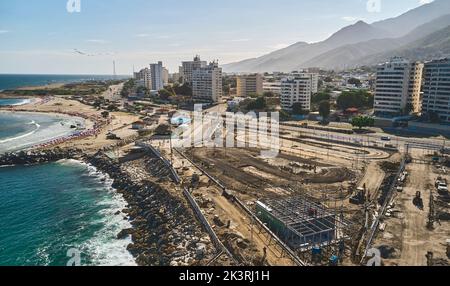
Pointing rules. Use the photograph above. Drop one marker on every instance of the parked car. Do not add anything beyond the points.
(385, 138)
(443, 189)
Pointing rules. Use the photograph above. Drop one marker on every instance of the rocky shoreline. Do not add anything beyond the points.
(164, 230)
(39, 157)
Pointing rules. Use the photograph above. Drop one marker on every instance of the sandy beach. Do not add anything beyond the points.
(96, 128)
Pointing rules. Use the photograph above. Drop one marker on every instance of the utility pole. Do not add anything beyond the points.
(171, 149)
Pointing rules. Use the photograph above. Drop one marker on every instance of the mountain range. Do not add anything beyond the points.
(419, 34)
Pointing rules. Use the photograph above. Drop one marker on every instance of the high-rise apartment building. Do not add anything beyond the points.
(145, 76)
(298, 88)
(207, 83)
(187, 69)
(165, 76)
(156, 71)
(398, 88)
(436, 89)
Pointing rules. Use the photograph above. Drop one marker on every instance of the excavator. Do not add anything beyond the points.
(418, 201)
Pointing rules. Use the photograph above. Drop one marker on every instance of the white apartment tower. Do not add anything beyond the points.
(436, 89)
(207, 83)
(187, 69)
(298, 88)
(398, 87)
(249, 84)
(156, 71)
(166, 76)
(144, 75)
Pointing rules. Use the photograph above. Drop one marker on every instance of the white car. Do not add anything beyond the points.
(442, 188)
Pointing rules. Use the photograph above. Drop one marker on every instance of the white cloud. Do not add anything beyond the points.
(350, 19)
(97, 41)
(279, 46)
(3, 31)
(142, 35)
(162, 37)
(159, 37)
(239, 40)
(423, 2)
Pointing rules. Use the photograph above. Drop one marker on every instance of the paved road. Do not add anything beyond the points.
(368, 139)
(113, 92)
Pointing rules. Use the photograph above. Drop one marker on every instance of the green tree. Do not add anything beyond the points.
(112, 108)
(354, 81)
(320, 96)
(324, 109)
(184, 89)
(297, 109)
(363, 121)
(165, 95)
(257, 104)
(269, 94)
(163, 129)
(355, 99)
(105, 114)
(128, 87)
(285, 116)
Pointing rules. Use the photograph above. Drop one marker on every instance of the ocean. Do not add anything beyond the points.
(52, 212)
(13, 81)
(49, 210)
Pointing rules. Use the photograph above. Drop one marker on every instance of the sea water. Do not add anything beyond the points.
(49, 212)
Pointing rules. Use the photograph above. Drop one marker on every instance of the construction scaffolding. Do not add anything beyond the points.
(315, 233)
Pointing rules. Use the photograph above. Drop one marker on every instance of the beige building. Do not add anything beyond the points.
(207, 84)
(248, 85)
(398, 88)
(165, 75)
(272, 86)
(144, 75)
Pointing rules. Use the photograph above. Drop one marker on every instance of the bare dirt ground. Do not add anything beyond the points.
(242, 238)
(253, 178)
(407, 232)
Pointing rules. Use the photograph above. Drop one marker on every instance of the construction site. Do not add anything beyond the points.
(319, 202)
(323, 200)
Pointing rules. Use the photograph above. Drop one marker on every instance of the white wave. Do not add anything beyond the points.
(40, 135)
(23, 102)
(7, 166)
(104, 248)
(43, 256)
(23, 135)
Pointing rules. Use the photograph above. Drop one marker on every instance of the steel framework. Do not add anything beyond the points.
(304, 225)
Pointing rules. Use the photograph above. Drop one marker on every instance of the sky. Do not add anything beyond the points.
(47, 37)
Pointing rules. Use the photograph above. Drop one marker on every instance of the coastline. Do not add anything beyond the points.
(97, 242)
(40, 136)
(115, 252)
(163, 230)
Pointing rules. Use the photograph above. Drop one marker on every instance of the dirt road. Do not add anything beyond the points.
(416, 239)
